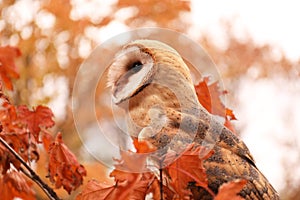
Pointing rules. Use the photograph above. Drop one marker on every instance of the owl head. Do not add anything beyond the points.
(143, 62)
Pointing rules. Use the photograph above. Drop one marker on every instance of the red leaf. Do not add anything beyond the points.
(13, 184)
(209, 97)
(64, 169)
(20, 143)
(188, 168)
(15, 135)
(8, 116)
(230, 190)
(5, 160)
(203, 94)
(7, 65)
(34, 120)
(47, 139)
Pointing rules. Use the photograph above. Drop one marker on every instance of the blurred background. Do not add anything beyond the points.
(255, 45)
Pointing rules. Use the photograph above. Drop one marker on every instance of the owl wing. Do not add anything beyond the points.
(231, 159)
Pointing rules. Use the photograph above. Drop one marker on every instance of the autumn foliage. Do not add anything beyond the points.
(187, 169)
(22, 131)
(53, 39)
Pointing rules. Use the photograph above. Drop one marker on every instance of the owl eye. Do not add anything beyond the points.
(136, 66)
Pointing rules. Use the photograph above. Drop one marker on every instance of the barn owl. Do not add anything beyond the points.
(151, 81)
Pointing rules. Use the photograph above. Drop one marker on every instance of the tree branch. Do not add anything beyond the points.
(32, 175)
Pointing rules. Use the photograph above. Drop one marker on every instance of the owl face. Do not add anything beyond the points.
(148, 76)
(131, 71)
(136, 66)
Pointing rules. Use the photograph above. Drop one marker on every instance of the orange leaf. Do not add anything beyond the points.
(230, 114)
(203, 94)
(188, 168)
(122, 176)
(34, 120)
(229, 125)
(64, 169)
(230, 190)
(7, 65)
(135, 161)
(95, 190)
(142, 146)
(209, 97)
(13, 184)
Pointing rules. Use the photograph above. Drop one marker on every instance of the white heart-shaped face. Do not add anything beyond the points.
(131, 82)
(131, 72)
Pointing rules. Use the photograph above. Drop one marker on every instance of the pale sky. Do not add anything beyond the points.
(268, 109)
(275, 22)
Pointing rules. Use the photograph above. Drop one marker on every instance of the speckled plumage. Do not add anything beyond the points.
(163, 109)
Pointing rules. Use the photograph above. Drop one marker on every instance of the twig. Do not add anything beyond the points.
(32, 175)
(161, 185)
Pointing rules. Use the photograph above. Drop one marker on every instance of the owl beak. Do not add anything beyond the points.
(118, 101)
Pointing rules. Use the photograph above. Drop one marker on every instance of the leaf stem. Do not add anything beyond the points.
(32, 175)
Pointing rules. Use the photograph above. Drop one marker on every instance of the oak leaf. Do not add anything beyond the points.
(230, 190)
(64, 169)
